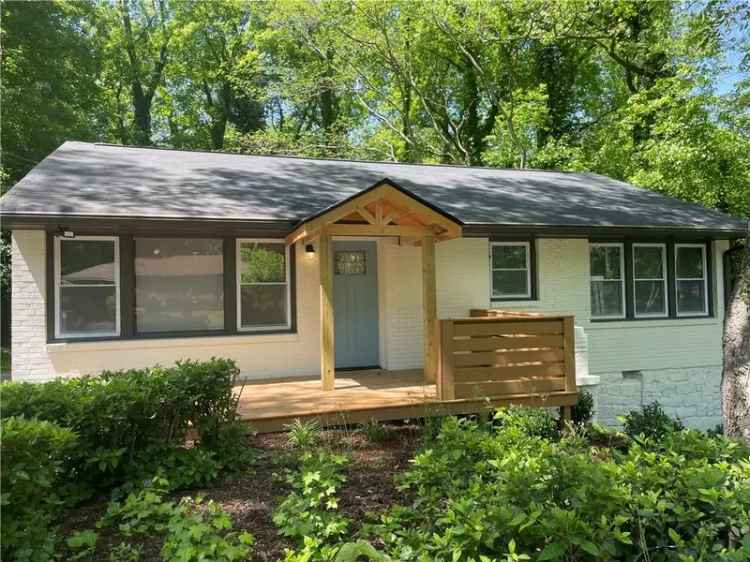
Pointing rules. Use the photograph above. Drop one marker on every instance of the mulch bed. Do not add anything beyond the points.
(251, 496)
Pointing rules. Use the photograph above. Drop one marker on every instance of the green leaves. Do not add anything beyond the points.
(552, 551)
(310, 510)
(511, 491)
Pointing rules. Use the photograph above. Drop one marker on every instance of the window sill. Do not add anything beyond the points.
(608, 324)
(245, 338)
(520, 301)
(587, 380)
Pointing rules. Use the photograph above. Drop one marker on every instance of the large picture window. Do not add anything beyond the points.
(262, 285)
(511, 270)
(607, 281)
(650, 280)
(87, 286)
(691, 280)
(179, 285)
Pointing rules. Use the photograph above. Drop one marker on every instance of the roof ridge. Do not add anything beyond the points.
(322, 159)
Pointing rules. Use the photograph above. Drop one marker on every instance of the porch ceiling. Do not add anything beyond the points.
(384, 209)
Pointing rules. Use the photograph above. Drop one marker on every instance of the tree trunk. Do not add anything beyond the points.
(735, 382)
(141, 115)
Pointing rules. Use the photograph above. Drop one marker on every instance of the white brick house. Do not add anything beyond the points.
(127, 257)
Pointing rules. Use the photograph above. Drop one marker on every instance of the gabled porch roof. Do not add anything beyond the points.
(383, 209)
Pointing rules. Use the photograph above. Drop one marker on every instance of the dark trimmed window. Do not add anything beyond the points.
(125, 287)
(511, 270)
(647, 280)
(650, 280)
(87, 287)
(263, 285)
(607, 264)
(691, 279)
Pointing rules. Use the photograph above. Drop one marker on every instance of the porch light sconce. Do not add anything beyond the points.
(309, 250)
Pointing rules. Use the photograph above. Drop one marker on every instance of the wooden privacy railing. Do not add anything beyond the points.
(496, 354)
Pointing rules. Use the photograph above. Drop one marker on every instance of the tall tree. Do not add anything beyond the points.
(50, 64)
(218, 68)
(138, 52)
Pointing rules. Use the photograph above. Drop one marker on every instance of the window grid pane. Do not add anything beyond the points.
(510, 270)
(263, 285)
(690, 279)
(87, 287)
(649, 280)
(351, 263)
(607, 281)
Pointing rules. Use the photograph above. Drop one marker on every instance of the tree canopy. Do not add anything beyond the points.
(626, 88)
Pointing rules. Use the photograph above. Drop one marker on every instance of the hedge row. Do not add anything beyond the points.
(66, 439)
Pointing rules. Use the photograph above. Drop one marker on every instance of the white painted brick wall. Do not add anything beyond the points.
(402, 279)
(28, 330)
(692, 394)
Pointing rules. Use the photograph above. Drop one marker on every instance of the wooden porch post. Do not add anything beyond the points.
(327, 350)
(429, 309)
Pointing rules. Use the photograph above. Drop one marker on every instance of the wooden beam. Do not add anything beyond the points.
(373, 230)
(446, 381)
(429, 309)
(327, 345)
(394, 215)
(367, 215)
(569, 351)
(379, 213)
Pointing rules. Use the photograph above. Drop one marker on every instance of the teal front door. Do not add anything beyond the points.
(355, 304)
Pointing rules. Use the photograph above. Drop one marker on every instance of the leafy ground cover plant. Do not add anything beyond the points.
(193, 530)
(509, 493)
(33, 456)
(309, 515)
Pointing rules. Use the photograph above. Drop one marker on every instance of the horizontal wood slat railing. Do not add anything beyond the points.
(496, 354)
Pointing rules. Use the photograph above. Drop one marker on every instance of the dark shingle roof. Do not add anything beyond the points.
(83, 179)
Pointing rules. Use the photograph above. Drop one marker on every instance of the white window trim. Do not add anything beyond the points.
(677, 279)
(58, 292)
(622, 279)
(665, 312)
(527, 269)
(288, 283)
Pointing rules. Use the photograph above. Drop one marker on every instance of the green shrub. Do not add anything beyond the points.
(121, 415)
(182, 467)
(511, 494)
(650, 421)
(537, 422)
(33, 456)
(583, 410)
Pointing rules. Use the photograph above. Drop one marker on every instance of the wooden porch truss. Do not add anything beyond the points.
(382, 210)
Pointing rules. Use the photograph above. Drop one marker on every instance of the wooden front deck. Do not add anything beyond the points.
(358, 397)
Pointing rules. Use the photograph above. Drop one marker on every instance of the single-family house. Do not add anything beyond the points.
(326, 280)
